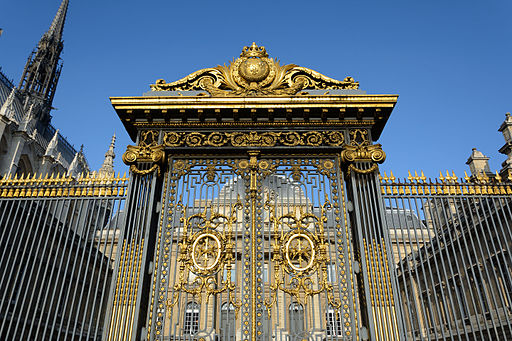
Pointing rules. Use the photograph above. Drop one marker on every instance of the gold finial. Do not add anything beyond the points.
(498, 177)
(466, 177)
(391, 176)
(441, 177)
(410, 178)
(423, 177)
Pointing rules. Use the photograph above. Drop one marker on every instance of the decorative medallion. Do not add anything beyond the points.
(254, 74)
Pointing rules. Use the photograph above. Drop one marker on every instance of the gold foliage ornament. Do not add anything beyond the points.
(299, 256)
(254, 139)
(148, 150)
(254, 74)
(206, 248)
(360, 150)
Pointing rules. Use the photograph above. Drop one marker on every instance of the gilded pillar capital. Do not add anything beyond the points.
(148, 151)
(360, 150)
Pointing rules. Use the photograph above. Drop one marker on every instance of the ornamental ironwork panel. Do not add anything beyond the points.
(252, 248)
(451, 251)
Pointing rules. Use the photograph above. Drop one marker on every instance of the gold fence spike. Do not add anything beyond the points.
(392, 177)
(498, 177)
(423, 177)
(466, 177)
(410, 178)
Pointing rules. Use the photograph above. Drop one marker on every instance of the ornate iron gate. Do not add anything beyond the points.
(261, 176)
(253, 246)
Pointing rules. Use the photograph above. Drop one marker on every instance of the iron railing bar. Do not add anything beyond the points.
(504, 296)
(32, 271)
(80, 252)
(372, 274)
(440, 314)
(438, 203)
(466, 313)
(5, 261)
(409, 298)
(56, 234)
(484, 264)
(109, 318)
(131, 252)
(159, 246)
(373, 244)
(386, 257)
(105, 294)
(373, 231)
(359, 240)
(96, 248)
(20, 275)
(114, 216)
(469, 267)
(142, 243)
(7, 276)
(427, 311)
(120, 270)
(507, 232)
(432, 313)
(478, 299)
(69, 238)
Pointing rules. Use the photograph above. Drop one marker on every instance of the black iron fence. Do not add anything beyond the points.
(451, 248)
(58, 245)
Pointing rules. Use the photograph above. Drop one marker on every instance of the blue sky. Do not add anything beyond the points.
(450, 62)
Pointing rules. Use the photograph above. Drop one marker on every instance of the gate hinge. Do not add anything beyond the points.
(143, 336)
(158, 207)
(150, 268)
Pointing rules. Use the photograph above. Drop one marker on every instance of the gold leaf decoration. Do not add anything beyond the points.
(254, 74)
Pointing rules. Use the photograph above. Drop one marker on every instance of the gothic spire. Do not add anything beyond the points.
(107, 168)
(43, 67)
(57, 25)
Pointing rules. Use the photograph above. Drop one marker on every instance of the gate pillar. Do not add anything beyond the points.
(373, 249)
(128, 297)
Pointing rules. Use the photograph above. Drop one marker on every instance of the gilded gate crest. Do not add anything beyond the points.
(254, 74)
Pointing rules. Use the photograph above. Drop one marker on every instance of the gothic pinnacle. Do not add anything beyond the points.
(107, 168)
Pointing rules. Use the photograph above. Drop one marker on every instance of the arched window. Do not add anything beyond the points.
(191, 322)
(227, 321)
(296, 312)
(333, 321)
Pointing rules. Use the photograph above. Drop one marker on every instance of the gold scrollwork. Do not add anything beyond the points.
(254, 74)
(300, 256)
(360, 150)
(254, 139)
(205, 253)
(148, 150)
